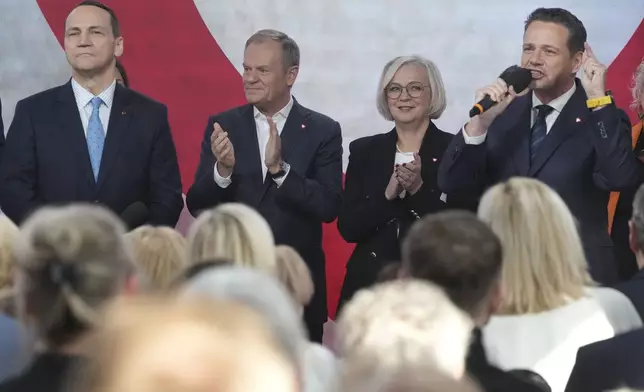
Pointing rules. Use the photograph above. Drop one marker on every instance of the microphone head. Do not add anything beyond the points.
(519, 78)
(136, 214)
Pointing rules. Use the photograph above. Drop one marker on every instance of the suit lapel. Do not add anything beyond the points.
(116, 132)
(519, 127)
(248, 151)
(564, 126)
(72, 129)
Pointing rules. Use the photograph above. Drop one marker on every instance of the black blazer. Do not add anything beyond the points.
(310, 194)
(634, 290)
(586, 155)
(609, 364)
(1, 131)
(46, 159)
(376, 224)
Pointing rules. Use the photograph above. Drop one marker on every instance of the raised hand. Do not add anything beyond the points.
(593, 74)
(499, 92)
(222, 149)
(273, 156)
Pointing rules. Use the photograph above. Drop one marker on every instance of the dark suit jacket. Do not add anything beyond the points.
(634, 290)
(491, 378)
(609, 364)
(310, 194)
(46, 160)
(585, 155)
(1, 132)
(376, 224)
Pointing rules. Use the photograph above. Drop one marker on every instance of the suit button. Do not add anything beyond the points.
(95, 201)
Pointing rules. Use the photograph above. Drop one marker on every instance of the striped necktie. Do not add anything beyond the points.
(539, 129)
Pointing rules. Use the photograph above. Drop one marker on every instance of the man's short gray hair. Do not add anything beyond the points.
(290, 50)
(638, 89)
(638, 217)
(438, 97)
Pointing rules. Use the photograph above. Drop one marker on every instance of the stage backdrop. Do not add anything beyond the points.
(188, 53)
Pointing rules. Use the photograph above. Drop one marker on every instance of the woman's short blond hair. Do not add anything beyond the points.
(293, 272)
(160, 253)
(235, 232)
(544, 265)
(438, 96)
(8, 234)
(638, 89)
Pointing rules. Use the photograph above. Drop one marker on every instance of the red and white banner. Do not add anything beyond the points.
(188, 53)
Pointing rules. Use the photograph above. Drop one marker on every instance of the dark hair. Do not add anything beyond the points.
(531, 378)
(116, 27)
(576, 31)
(389, 272)
(196, 269)
(456, 251)
(121, 69)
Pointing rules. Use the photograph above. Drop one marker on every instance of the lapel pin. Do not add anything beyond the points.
(434, 159)
(578, 120)
(303, 126)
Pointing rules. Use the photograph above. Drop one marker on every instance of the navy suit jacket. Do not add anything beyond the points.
(46, 160)
(585, 155)
(609, 364)
(634, 290)
(1, 132)
(310, 194)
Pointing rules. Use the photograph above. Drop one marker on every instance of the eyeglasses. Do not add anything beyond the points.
(414, 89)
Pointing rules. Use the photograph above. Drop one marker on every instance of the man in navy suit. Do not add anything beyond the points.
(1, 131)
(565, 132)
(91, 140)
(278, 157)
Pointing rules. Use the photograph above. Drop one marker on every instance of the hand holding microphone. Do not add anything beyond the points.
(493, 99)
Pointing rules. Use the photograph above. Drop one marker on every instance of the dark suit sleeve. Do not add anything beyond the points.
(204, 192)
(166, 201)
(362, 212)
(616, 166)
(1, 132)
(463, 169)
(18, 169)
(321, 195)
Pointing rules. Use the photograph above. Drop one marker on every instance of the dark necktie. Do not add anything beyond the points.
(539, 129)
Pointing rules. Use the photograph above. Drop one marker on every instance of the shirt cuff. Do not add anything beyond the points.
(223, 182)
(280, 180)
(473, 140)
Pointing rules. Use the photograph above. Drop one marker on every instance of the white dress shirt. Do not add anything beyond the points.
(83, 101)
(263, 133)
(557, 104)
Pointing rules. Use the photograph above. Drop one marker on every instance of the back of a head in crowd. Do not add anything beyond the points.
(365, 375)
(160, 253)
(532, 378)
(544, 264)
(232, 231)
(8, 234)
(169, 345)
(636, 226)
(261, 292)
(403, 322)
(293, 272)
(70, 262)
(460, 254)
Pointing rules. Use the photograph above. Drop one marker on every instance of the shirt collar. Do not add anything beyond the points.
(286, 110)
(84, 96)
(557, 103)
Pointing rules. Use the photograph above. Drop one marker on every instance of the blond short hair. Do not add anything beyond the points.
(403, 322)
(438, 96)
(234, 232)
(638, 89)
(170, 345)
(544, 265)
(160, 253)
(293, 272)
(8, 234)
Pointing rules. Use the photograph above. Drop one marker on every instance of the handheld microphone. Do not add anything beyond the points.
(519, 78)
(135, 215)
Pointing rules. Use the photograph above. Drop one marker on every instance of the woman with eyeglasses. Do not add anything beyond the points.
(391, 178)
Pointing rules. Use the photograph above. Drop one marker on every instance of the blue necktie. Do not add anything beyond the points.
(539, 129)
(95, 137)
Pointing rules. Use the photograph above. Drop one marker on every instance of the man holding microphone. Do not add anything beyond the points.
(566, 132)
